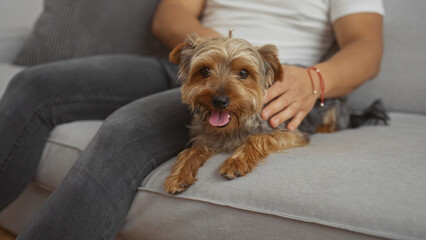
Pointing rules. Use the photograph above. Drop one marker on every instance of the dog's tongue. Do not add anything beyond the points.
(219, 118)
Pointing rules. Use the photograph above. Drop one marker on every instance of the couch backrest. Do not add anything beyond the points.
(401, 83)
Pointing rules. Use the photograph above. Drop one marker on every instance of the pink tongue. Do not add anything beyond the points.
(219, 118)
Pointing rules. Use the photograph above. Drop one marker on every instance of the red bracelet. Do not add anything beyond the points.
(322, 86)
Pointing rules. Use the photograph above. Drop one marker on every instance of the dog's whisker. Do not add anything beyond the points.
(205, 117)
(238, 117)
(204, 113)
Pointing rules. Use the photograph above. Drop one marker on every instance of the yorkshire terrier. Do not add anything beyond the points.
(224, 81)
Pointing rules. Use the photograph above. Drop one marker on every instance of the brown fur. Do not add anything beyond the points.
(247, 136)
(329, 123)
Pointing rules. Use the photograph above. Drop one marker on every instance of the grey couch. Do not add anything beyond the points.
(366, 183)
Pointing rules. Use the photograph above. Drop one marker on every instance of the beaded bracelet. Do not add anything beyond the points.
(322, 86)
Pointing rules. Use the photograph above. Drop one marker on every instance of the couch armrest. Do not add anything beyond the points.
(17, 18)
(11, 41)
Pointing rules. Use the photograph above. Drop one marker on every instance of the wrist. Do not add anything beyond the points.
(312, 71)
(328, 72)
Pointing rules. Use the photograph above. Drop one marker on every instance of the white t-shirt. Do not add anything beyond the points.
(301, 29)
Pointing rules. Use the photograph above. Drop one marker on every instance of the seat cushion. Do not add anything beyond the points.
(355, 183)
(364, 183)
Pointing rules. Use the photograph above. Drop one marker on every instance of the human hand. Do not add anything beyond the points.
(292, 98)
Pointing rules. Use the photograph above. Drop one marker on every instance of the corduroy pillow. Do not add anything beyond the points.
(70, 29)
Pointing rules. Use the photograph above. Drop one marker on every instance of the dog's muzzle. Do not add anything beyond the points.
(219, 117)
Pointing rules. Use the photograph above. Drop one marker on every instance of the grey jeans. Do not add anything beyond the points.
(144, 126)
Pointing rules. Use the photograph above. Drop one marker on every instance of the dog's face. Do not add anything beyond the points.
(225, 78)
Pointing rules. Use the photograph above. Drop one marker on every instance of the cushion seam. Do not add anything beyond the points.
(63, 144)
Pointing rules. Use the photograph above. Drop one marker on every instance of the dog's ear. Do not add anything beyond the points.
(186, 48)
(183, 53)
(274, 67)
(174, 56)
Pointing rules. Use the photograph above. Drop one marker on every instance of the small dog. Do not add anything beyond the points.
(224, 81)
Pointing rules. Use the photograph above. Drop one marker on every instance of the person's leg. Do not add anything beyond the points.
(42, 97)
(93, 200)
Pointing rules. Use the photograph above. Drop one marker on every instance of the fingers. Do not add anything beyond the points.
(289, 99)
(295, 122)
(276, 106)
(277, 89)
(283, 116)
(291, 112)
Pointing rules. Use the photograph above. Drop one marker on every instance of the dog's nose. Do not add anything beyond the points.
(220, 101)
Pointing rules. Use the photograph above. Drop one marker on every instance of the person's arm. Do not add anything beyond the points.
(175, 19)
(360, 38)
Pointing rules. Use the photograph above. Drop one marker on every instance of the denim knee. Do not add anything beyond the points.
(119, 155)
(154, 127)
(124, 124)
(29, 86)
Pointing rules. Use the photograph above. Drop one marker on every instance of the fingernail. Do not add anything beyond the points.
(274, 122)
(265, 98)
(265, 114)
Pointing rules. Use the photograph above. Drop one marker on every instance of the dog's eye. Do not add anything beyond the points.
(205, 72)
(243, 74)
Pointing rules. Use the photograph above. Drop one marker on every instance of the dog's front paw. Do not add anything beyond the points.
(176, 184)
(234, 167)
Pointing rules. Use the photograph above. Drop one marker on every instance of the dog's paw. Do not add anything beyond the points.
(233, 168)
(176, 184)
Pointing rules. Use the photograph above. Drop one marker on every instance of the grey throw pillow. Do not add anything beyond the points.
(77, 28)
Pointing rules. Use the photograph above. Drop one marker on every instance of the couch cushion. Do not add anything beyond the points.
(69, 29)
(368, 181)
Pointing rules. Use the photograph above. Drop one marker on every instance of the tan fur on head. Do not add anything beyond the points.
(182, 54)
(230, 33)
